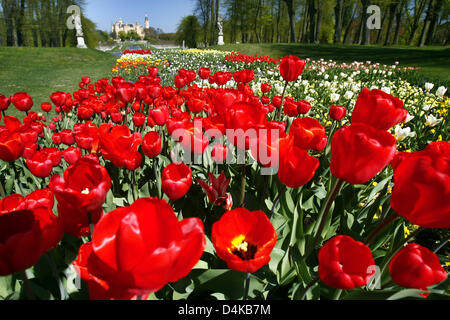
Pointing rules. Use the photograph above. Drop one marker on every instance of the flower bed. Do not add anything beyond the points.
(227, 180)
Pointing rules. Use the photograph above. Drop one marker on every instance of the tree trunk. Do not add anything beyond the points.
(426, 24)
(349, 25)
(433, 21)
(312, 13)
(338, 9)
(417, 14)
(365, 36)
(380, 32)
(392, 10)
(291, 14)
(398, 20)
(319, 20)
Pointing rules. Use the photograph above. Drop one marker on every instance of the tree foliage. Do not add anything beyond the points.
(42, 23)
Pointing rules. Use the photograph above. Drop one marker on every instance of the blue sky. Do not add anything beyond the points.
(164, 14)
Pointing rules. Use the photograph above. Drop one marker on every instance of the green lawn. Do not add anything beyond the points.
(434, 62)
(41, 71)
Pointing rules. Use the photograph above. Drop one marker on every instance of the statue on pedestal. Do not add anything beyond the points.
(220, 26)
(79, 30)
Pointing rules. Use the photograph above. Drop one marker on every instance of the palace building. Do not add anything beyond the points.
(125, 27)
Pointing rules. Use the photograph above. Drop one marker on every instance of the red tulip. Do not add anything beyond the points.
(303, 107)
(46, 106)
(152, 71)
(216, 188)
(244, 239)
(11, 146)
(40, 164)
(219, 153)
(86, 80)
(67, 137)
(82, 190)
(4, 102)
(180, 82)
(50, 225)
(421, 192)
(20, 240)
(138, 119)
(345, 263)
(176, 180)
(296, 166)
(22, 101)
(378, 109)
(337, 112)
(119, 146)
(359, 152)
(151, 144)
(71, 155)
(290, 109)
(417, 267)
(126, 92)
(204, 73)
(291, 68)
(308, 133)
(265, 87)
(138, 249)
(58, 98)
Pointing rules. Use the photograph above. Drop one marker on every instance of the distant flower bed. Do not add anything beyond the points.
(136, 52)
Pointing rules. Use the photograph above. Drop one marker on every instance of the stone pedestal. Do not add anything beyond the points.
(220, 41)
(80, 42)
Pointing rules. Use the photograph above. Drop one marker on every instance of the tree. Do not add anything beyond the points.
(291, 13)
(188, 31)
(338, 10)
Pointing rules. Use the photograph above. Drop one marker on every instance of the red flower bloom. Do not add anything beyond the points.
(20, 240)
(126, 92)
(219, 153)
(378, 109)
(291, 67)
(176, 180)
(345, 263)
(244, 239)
(204, 73)
(80, 191)
(265, 87)
(337, 112)
(40, 164)
(308, 133)
(119, 146)
(303, 107)
(22, 101)
(216, 189)
(151, 144)
(46, 106)
(67, 137)
(11, 146)
(359, 152)
(296, 166)
(417, 267)
(50, 225)
(138, 119)
(139, 249)
(71, 154)
(421, 192)
(4, 102)
(58, 98)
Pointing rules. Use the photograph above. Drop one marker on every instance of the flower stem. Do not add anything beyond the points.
(280, 110)
(2, 191)
(242, 194)
(337, 294)
(246, 286)
(380, 227)
(62, 291)
(27, 286)
(323, 215)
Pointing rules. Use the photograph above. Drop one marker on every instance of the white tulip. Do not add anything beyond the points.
(402, 133)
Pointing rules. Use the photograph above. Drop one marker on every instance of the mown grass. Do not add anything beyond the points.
(433, 62)
(41, 71)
